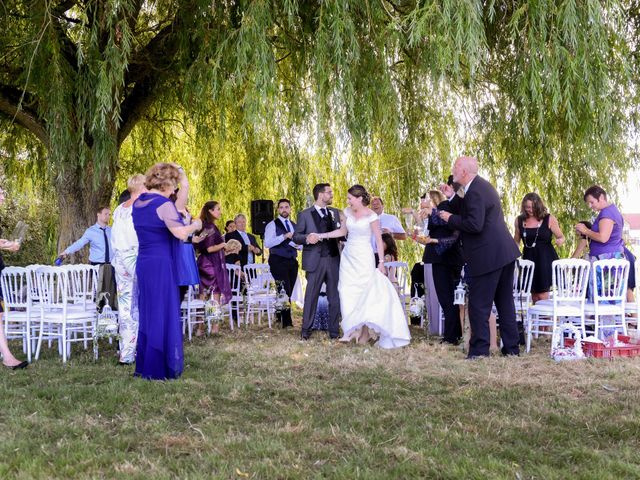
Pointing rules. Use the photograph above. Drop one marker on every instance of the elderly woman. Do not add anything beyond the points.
(124, 242)
(8, 360)
(159, 228)
(536, 228)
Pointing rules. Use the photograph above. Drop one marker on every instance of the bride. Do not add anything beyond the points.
(368, 301)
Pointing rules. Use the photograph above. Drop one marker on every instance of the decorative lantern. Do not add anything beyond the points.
(106, 325)
(459, 294)
(558, 351)
(107, 321)
(212, 310)
(282, 301)
(416, 307)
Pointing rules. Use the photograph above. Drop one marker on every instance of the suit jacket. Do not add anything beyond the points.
(309, 222)
(453, 255)
(487, 244)
(244, 251)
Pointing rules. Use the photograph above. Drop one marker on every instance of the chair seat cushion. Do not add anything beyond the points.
(563, 310)
(604, 309)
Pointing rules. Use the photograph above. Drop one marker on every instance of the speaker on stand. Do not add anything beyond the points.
(261, 214)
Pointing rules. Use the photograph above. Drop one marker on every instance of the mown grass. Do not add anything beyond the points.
(262, 404)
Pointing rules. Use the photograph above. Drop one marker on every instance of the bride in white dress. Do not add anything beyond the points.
(369, 303)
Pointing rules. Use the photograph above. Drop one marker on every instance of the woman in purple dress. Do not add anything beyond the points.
(214, 278)
(159, 228)
(606, 233)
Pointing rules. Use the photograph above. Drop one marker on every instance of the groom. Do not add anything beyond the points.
(320, 260)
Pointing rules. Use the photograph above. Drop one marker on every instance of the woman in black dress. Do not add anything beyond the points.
(536, 228)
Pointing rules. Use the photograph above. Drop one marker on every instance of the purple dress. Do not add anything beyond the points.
(212, 266)
(159, 348)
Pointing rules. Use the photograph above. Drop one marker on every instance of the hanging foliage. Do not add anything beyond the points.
(264, 97)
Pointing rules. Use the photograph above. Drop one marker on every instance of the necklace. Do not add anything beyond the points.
(524, 236)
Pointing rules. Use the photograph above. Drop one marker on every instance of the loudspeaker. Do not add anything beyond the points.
(261, 214)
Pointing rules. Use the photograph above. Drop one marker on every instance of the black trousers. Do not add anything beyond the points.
(493, 287)
(284, 270)
(445, 280)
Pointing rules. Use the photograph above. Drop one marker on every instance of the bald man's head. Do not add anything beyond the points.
(464, 169)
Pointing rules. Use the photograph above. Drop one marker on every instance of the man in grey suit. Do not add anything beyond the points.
(320, 260)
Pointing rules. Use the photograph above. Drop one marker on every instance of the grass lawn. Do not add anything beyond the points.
(260, 403)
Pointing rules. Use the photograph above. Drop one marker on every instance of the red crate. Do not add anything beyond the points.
(599, 350)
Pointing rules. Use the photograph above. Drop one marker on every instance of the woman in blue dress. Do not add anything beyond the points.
(160, 228)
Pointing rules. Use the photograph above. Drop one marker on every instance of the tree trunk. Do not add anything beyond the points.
(78, 202)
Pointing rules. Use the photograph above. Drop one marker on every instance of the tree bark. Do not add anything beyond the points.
(78, 202)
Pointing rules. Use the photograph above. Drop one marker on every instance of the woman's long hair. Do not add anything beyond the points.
(539, 210)
(205, 215)
(390, 247)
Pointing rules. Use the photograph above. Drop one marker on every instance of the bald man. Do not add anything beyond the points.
(490, 253)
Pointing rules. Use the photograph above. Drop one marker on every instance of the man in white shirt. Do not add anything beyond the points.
(388, 224)
(283, 253)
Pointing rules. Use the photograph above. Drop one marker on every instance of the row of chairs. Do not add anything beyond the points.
(255, 278)
(50, 303)
(605, 309)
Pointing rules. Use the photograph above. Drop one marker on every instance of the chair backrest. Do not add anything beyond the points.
(609, 280)
(570, 277)
(81, 283)
(258, 277)
(523, 277)
(15, 288)
(235, 277)
(398, 271)
(52, 284)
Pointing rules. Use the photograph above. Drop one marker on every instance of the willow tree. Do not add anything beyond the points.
(540, 85)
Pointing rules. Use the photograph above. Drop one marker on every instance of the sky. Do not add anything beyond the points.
(630, 195)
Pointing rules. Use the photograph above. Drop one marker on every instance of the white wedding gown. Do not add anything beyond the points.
(367, 297)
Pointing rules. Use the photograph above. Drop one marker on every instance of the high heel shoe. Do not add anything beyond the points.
(19, 366)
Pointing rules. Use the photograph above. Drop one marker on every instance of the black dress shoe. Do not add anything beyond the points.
(125, 363)
(476, 357)
(305, 337)
(20, 366)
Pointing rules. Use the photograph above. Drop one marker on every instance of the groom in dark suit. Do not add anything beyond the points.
(490, 253)
(320, 260)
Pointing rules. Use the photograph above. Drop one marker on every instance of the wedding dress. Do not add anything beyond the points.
(367, 297)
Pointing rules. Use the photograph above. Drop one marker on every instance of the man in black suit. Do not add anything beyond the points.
(490, 253)
(283, 253)
(250, 248)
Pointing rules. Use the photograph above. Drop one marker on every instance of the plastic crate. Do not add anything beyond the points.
(599, 350)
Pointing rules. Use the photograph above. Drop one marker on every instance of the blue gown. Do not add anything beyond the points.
(159, 349)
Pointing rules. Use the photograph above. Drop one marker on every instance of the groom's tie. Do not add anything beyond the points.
(324, 212)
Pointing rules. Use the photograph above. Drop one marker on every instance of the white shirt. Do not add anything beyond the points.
(391, 223)
(245, 237)
(270, 237)
(466, 187)
(319, 210)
